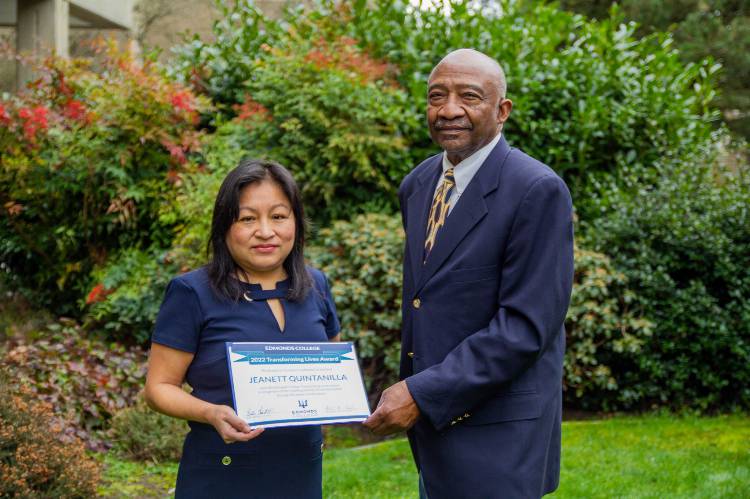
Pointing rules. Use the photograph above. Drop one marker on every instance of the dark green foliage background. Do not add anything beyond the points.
(591, 100)
(719, 29)
(684, 245)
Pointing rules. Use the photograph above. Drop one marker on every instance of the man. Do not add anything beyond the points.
(488, 270)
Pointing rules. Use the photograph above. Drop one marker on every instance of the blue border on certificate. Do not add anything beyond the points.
(228, 346)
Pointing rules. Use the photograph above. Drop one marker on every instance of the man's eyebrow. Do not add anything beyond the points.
(461, 87)
(469, 86)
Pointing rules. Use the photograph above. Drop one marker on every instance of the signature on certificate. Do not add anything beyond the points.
(260, 411)
(332, 409)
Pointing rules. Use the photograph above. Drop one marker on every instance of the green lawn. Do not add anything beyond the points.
(656, 457)
(649, 457)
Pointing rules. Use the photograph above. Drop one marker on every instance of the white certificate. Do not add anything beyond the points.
(293, 384)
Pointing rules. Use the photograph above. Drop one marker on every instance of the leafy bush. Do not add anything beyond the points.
(221, 68)
(83, 379)
(719, 28)
(333, 116)
(362, 260)
(37, 458)
(126, 298)
(605, 333)
(684, 246)
(88, 157)
(590, 99)
(144, 435)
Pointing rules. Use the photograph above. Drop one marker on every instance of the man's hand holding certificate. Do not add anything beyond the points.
(292, 384)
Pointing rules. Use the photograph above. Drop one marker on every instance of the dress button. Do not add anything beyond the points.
(417, 303)
(226, 460)
(410, 355)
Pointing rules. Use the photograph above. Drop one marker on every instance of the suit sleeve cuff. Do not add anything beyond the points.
(431, 405)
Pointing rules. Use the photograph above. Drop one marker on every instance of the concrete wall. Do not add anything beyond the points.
(194, 16)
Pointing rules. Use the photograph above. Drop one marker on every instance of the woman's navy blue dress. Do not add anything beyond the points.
(281, 462)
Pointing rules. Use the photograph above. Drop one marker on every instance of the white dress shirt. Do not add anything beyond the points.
(465, 170)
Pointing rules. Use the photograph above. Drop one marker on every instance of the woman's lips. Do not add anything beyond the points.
(265, 248)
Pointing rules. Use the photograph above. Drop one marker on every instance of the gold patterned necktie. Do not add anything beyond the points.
(439, 210)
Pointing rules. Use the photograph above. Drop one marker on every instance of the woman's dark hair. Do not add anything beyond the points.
(221, 266)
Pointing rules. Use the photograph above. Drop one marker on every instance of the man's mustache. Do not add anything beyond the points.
(451, 125)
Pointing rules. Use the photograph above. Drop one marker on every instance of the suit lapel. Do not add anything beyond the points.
(469, 210)
(418, 207)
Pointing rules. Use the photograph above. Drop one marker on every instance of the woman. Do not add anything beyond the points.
(255, 288)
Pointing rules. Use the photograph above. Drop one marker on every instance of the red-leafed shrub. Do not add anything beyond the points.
(91, 153)
(83, 379)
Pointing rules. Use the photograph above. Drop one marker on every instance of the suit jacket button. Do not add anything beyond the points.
(417, 303)
(226, 460)
(410, 355)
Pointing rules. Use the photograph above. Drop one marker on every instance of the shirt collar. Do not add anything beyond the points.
(464, 171)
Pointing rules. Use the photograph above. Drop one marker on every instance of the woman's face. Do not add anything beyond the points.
(263, 235)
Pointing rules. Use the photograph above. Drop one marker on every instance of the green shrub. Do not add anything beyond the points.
(142, 434)
(221, 68)
(88, 158)
(684, 246)
(124, 302)
(332, 115)
(605, 332)
(37, 458)
(84, 379)
(362, 260)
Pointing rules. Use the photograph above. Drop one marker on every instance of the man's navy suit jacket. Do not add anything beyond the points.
(482, 336)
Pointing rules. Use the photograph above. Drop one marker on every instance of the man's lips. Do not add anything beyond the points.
(452, 128)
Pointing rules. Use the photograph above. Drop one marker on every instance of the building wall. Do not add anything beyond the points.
(166, 31)
(7, 63)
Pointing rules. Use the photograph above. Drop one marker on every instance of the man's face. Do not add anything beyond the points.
(464, 109)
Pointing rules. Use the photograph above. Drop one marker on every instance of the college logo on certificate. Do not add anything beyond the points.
(292, 384)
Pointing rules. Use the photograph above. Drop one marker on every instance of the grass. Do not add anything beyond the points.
(383, 470)
(125, 479)
(624, 457)
(656, 457)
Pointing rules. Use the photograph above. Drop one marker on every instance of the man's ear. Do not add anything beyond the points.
(503, 110)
